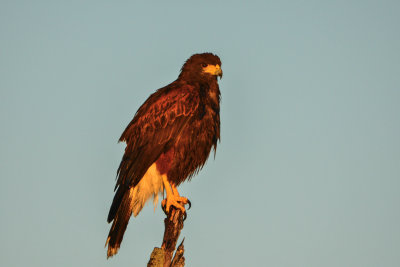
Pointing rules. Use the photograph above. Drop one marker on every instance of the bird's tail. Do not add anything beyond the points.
(131, 201)
(119, 225)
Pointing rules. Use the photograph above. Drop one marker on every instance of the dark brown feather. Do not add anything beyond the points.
(176, 127)
(119, 225)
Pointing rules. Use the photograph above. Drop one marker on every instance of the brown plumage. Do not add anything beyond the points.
(167, 142)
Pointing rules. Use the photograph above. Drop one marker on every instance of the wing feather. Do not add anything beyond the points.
(156, 126)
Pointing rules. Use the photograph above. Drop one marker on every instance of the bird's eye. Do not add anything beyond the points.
(204, 65)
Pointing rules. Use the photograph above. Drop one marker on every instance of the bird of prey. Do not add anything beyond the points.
(167, 142)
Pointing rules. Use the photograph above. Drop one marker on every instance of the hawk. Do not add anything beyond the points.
(167, 142)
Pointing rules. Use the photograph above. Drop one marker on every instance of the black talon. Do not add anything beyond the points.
(190, 204)
(164, 209)
(184, 216)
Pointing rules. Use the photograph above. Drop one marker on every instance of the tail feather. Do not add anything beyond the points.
(116, 203)
(128, 201)
(119, 225)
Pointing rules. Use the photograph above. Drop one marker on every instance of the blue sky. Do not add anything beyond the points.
(307, 171)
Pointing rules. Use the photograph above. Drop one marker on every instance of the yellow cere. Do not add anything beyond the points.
(213, 69)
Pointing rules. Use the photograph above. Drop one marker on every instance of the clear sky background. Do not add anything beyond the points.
(308, 169)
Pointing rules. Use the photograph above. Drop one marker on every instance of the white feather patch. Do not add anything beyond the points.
(151, 185)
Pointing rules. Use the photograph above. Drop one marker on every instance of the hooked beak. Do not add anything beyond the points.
(218, 71)
(213, 70)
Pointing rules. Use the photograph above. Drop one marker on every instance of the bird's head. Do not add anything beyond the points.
(201, 68)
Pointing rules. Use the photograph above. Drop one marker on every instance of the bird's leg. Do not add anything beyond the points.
(184, 200)
(173, 198)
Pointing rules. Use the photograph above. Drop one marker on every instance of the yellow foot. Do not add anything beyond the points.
(176, 201)
(173, 198)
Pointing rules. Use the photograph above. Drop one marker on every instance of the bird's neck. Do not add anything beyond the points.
(211, 93)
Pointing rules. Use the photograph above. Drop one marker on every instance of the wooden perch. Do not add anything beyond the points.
(162, 257)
